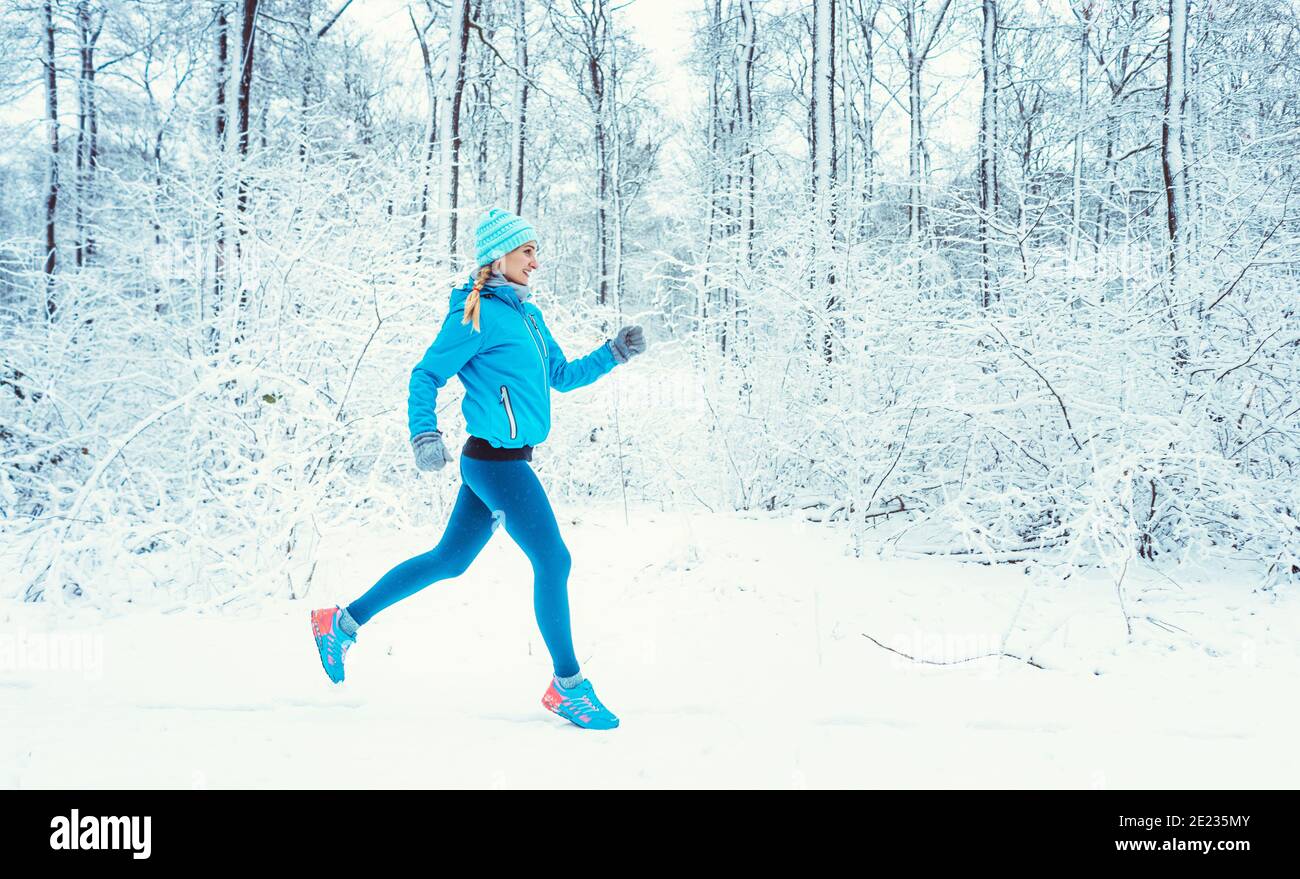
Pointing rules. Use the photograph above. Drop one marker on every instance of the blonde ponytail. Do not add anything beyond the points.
(472, 301)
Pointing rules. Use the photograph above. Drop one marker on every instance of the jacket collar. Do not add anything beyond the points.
(496, 286)
(496, 279)
(506, 292)
(506, 295)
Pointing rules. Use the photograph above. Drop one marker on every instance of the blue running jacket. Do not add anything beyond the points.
(508, 369)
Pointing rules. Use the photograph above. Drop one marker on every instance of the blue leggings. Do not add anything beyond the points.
(493, 491)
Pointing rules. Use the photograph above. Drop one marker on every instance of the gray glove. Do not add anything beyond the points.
(430, 453)
(628, 342)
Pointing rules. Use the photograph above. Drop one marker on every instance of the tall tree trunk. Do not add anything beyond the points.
(914, 125)
(846, 169)
(597, 25)
(247, 36)
(1173, 164)
(308, 62)
(1191, 180)
(1105, 205)
(715, 158)
(219, 268)
(920, 40)
(431, 134)
(1076, 201)
(823, 152)
(453, 87)
(616, 180)
(482, 122)
(158, 209)
(1116, 78)
(518, 138)
(52, 184)
(745, 144)
(832, 74)
(822, 82)
(866, 18)
(87, 156)
(988, 143)
(83, 134)
(92, 153)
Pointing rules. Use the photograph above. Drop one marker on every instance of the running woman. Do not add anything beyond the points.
(508, 362)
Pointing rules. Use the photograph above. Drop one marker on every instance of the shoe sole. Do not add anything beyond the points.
(548, 707)
(580, 726)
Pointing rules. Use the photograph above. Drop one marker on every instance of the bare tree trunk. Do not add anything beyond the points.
(1105, 205)
(831, 76)
(866, 19)
(52, 131)
(820, 142)
(87, 129)
(1117, 75)
(745, 94)
(453, 87)
(1191, 181)
(158, 192)
(219, 269)
(517, 131)
(155, 160)
(248, 33)
(746, 145)
(914, 126)
(988, 143)
(247, 36)
(1172, 161)
(823, 150)
(846, 169)
(920, 40)
(616, 180)
(481, 124)
(727, 228)
(592, 36)
(1076, 203)
(597, 77)
(715, 155)
(308, 62)
(92, 154)
(431, 136)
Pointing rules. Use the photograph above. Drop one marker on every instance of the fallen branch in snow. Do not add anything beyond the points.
(953, 662)
(1161, 624)
(834, 508)
(1013, 554)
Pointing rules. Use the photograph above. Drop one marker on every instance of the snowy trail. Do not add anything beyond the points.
(731, 648)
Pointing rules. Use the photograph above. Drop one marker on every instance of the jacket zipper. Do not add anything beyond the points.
(541, 358)
(505, 399)
(541, 361)
(539, 334)
(541, 349)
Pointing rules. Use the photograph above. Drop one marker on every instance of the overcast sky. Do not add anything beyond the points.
(664, 28)
(659, 25)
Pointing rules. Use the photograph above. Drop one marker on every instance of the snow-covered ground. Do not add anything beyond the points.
(731, 646)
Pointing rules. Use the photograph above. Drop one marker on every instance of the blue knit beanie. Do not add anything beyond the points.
(498, 233)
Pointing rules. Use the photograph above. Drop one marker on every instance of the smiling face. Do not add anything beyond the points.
(519, 264)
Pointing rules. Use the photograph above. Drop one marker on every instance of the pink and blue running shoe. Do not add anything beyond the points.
(579, 705)
(331, 641)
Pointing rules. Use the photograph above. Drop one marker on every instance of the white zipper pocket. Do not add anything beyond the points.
(505, 400)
